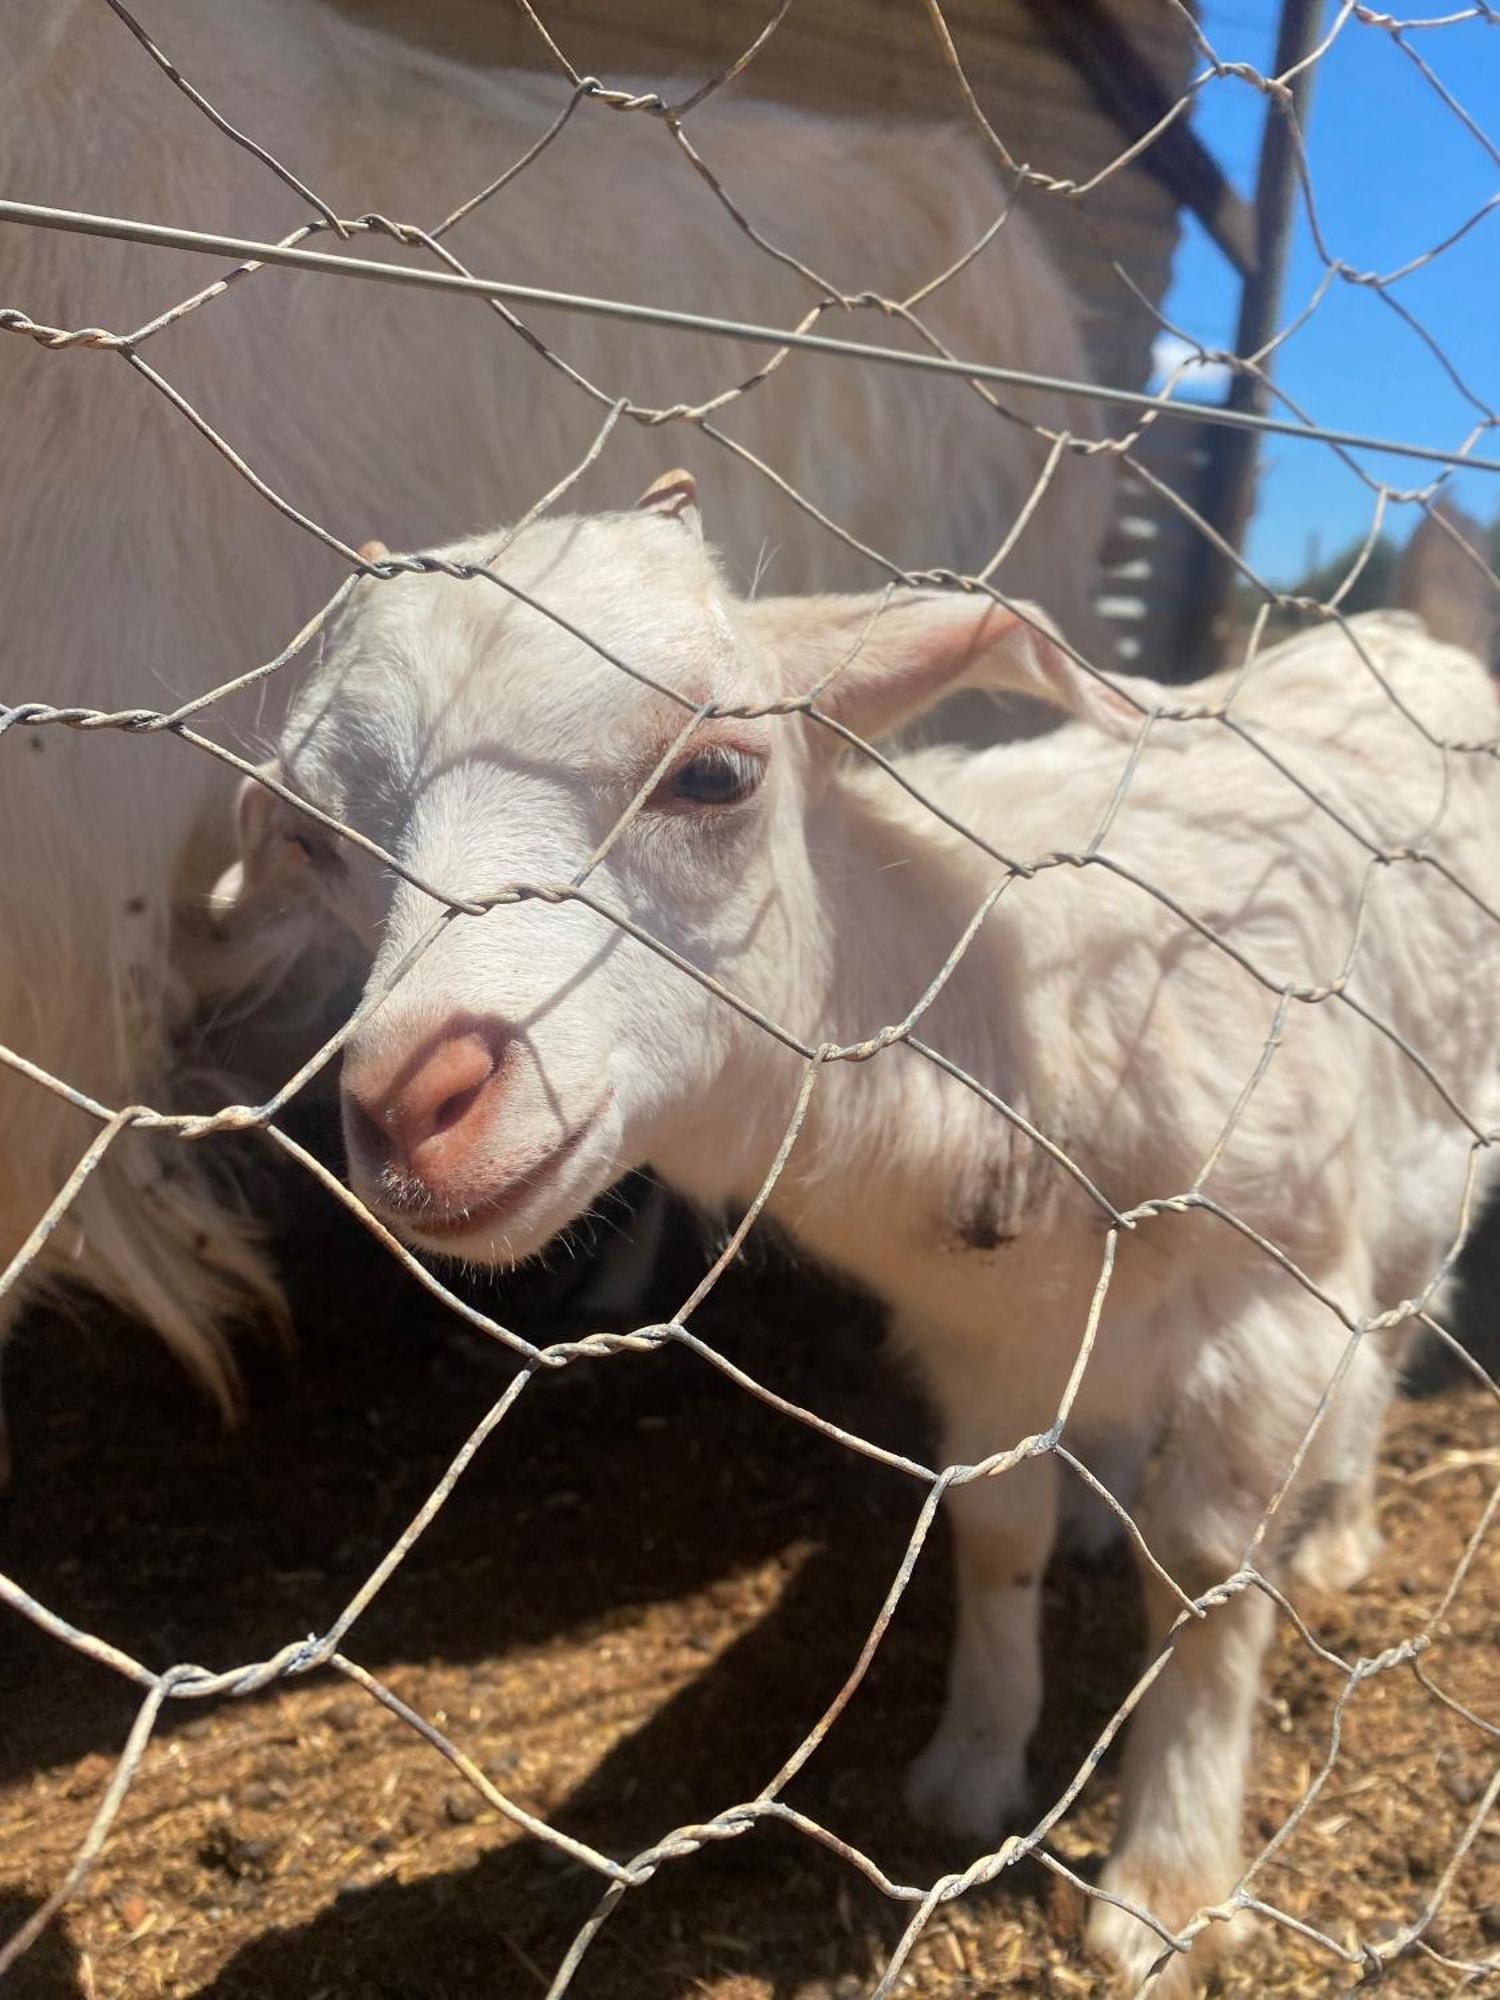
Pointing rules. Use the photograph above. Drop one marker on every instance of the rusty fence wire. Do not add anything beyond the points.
(436, 266)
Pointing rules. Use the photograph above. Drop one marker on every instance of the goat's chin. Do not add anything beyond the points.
(503, 1225)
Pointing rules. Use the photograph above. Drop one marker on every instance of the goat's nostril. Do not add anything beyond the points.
(418, 1117)
(453, 1110)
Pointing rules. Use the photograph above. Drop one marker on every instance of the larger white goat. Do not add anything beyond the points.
(537, 1050)
(137, 569)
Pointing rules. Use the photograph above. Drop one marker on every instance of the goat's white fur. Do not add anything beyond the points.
(137, 569)
(485, 746)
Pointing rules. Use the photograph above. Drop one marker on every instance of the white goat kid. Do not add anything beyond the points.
(536, 1051)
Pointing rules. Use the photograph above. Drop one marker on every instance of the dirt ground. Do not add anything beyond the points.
(641, 1595)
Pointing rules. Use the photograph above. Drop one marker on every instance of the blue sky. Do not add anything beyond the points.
(1393, 172)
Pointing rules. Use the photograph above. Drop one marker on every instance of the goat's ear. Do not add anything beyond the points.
(372, 552)
(272, 871)
(1441, 576)
(674, 495)
(887, 658)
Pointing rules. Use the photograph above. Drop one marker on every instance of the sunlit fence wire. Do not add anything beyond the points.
(436, 267)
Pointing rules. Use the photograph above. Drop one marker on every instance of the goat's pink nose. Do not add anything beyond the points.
(424, 1114)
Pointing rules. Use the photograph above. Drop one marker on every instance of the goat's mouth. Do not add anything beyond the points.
(427, 1222)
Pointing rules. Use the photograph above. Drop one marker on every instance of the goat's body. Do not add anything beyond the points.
(138, 569)
(1094, 1011)
(1092, 1008)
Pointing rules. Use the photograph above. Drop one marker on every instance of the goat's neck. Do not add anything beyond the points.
(869, 926)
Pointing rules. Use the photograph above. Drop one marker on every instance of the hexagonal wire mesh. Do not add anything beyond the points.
(439, 269)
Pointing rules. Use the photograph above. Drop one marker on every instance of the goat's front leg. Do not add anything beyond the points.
(1183, 1783)
(1182, 1786)
(972, 1776)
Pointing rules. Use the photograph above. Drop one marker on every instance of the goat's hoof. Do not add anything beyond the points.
(962, 1786)
(1335, 1555)
(1132, 1948)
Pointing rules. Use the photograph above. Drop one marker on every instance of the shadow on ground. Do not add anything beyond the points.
(617, 1485)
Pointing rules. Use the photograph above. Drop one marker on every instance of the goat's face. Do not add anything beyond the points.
(513, 1063)
(510, 1064)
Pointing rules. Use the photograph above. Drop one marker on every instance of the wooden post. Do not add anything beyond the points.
(1227, 496)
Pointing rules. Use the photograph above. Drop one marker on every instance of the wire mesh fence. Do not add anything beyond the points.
(427, 261)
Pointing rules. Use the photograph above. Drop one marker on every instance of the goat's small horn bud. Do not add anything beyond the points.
(674, 493)
(373, 551)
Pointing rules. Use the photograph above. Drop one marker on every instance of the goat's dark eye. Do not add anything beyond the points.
(320, 853)
(718, 777)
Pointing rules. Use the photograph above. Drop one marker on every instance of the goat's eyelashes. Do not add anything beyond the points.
(316, 852)
(715, 777)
